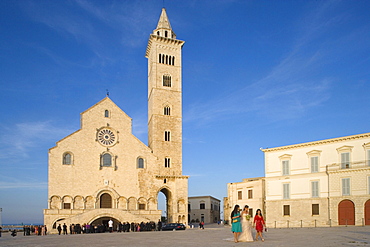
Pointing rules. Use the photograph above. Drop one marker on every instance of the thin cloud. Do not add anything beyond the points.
(26, 136)
(291, 88)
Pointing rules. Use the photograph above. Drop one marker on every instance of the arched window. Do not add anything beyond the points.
(167, 162)
(163, 58)
(167, 110)
(140, 163)
(158, 33)
(173, 60)
(166, 80)
(165, 34)
(167, 136)
(106, 113)
(106, 160)
(160, 60)
(166, 59)
(67, 159)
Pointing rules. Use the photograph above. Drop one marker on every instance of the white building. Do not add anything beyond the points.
(319, 183)
(251, 192)
(203, 208)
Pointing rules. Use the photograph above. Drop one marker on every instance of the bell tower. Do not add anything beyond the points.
(164, 97)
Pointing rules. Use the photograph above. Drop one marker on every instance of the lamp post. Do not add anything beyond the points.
(1, 216)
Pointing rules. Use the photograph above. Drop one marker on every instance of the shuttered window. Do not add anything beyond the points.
(344, 157)
(315, 188)
(314, 164)
(285, 167)
(346, 186)
(286, 191)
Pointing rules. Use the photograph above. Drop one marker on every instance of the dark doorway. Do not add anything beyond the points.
(105, 201)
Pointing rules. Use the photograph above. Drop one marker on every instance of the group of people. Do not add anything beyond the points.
(242, 223)
(100, 228)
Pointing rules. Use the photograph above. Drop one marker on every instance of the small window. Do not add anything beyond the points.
(285, 167)
(167, 136)
(67, 159)
(286, 191)
(286, 209)
(158, 33)
(166, 80)
(140, 163)
(202, 206)
(240, 195)
(165, 181)
(315, 209)
(160, 58)
(66, 205)
(165, 34)
(141, 206)
(346, 186)
(250, 194)
(315, 164)
(106, 113)
(106, 160)
(167, 110)
(167, 162)
(315, 188)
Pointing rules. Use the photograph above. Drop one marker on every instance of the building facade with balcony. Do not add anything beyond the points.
(319, 183)
(203, 208)
(251, 192)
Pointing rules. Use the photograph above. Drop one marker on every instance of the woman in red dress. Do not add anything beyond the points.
(259, 223)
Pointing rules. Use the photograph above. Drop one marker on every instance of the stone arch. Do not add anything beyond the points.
(181, 206)
(132, 202)
(78, 202)
(142, 204)
(89, 202)
(55, 202)
(169, 209)
(56, 222)
(67, 202)
(346, 212)
(122, 203)
(105, 200)
(114, 195)
(152, 204)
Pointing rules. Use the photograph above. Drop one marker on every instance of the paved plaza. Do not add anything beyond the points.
(213, 235)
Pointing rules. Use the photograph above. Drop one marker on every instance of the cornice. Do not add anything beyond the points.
(165, 40)
(316, 143)
(172, 176)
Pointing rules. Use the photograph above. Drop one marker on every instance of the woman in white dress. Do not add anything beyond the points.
(246, 235)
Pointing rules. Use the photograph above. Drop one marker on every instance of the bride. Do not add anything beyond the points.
(246, 235)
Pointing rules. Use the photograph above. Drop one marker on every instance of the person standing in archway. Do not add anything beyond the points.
(110, 225)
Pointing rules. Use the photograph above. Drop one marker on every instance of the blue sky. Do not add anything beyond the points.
(255, 74)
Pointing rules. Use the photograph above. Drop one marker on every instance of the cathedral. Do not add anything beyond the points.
(102, 171)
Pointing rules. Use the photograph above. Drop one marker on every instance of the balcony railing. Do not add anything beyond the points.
(349, 165)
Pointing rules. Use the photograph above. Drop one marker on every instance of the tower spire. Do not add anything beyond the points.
(164, 28)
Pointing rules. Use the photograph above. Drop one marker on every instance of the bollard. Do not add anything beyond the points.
(315, 223)
(275, 224)
(287, 223)
(330, 222)
(346, 222)
(301, 223)
(363, 222)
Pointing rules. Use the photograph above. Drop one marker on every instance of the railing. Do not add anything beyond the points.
(311, 223)
(349, 165)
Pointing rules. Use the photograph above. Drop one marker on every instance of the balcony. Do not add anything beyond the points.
(349, 165)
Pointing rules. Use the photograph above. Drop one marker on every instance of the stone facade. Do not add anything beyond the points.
(308, 183)
(251, 192)
(204, 208)
(102, 171)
